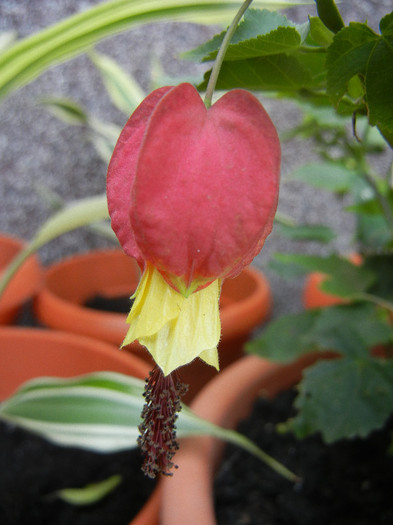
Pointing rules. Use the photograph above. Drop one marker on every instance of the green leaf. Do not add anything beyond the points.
(373, 206)
(330, 15)
(373, 233)
(319, 32)
(344, 398)
(101, 412)
(66, 110)
(260, 33)
(351, 329)
(357, 50)
(305, 232)
(271, 73)
(123, 90)
(348, 329)
(91, 493)
(103, 135)
(286, 338)
(382, 267)
(347, 56)
(31, 56)
(76, 214)
(344, 278)
(327, 176)
(379, 78)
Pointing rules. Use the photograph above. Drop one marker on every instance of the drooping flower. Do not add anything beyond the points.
(192, 194)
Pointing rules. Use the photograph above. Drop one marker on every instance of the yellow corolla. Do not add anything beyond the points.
(175, 329)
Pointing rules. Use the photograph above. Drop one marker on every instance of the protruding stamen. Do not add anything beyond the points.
(158, 430)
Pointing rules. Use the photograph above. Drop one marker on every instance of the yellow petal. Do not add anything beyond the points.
(175, 329)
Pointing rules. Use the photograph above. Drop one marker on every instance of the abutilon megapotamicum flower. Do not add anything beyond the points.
(192, 192)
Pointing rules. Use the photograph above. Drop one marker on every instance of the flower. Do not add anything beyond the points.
(192, 194)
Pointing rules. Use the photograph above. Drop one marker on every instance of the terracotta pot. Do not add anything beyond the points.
(187, 497)
(25, 283)
(71, 282)
(26, 353)
(245, 303)
(314, 297)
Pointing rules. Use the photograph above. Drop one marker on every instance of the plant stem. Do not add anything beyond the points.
(221, 53)
(383, 201)
(379, 301)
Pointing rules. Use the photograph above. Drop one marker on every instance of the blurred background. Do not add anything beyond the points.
(43, 159)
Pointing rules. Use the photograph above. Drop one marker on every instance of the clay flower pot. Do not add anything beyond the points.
(25, 283)
(245, 303)
(26, 353)
(187, 497)
(314, 297)
(71, 282)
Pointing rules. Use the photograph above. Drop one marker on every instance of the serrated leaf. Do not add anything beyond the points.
(351, 329)
(91, 493)
(344, 398)
(348, 329)
(306, 232)
(347, 56)
(260, 33)
(275, 72)
(379, 78)
(124, 91)
(286, 338)
(357, 50)
(327, 176)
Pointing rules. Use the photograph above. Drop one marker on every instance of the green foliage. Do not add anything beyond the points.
(305, 232)
(261, 33)
(267, 53)
(319, 33)
(101, 412)
(329, 15)
(124, 91)
(381, 265)
(30, 57)
(76, 214)
(358, 52)
(332, 71)
(327, 176)
(89, 494)
(344, 398)
(344, 278)
(348, 329)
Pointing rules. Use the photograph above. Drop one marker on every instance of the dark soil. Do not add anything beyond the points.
(347, 483)
(119, 304)
(32, 470)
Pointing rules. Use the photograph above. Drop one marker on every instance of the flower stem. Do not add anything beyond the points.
(221, 53)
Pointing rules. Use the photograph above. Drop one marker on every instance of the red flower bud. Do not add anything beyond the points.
(193, 191)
